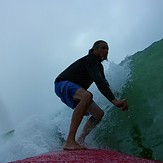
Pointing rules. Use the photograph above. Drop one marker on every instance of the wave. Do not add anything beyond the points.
(139, 79)
(139, 131)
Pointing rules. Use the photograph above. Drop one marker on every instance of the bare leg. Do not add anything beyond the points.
(85, 98)
(97, 115)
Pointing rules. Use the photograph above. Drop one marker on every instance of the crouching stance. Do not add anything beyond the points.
(71, 86)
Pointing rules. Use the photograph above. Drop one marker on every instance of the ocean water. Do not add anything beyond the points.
(139, 79)
(139, 131)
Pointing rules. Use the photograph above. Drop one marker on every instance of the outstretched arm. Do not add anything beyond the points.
(97, 73)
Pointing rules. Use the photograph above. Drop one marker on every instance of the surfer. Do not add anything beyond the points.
(71, 86)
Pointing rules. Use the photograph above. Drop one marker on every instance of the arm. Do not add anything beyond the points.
(101, 83)
(95, 70)
(99, 78)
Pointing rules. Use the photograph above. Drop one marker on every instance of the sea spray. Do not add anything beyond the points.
(32, 137)
(41, 134)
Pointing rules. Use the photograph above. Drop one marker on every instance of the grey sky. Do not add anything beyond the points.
(39, 38)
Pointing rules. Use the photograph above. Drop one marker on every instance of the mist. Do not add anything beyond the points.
(38, 39)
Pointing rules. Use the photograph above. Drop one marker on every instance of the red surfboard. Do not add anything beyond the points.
(85, 156)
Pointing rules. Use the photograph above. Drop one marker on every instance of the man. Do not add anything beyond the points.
(71, 86)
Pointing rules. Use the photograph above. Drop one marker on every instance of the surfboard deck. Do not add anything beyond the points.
(84, 156)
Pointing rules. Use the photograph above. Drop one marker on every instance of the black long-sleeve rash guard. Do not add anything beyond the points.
(84, 72)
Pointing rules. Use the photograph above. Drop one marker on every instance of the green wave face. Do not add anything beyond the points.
(140, 130)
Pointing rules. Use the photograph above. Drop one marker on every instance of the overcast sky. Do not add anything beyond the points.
(39, 38)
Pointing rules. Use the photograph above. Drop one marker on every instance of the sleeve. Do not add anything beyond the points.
(96, 72)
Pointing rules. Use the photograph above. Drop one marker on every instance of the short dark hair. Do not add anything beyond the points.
(96, 45)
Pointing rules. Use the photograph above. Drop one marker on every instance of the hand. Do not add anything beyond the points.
(121, 104)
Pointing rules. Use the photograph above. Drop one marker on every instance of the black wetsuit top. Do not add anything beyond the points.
(84, 72)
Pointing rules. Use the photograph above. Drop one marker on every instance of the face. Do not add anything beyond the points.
(102, 51)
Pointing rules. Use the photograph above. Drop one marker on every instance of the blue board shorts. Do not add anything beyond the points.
(66, 91)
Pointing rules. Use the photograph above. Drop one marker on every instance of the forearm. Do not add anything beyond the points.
(105, 90)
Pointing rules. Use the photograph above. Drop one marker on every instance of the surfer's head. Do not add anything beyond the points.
(100, 49)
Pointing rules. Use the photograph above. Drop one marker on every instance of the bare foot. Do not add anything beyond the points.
(73, 146)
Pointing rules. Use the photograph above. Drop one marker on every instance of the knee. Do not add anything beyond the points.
(87, 97)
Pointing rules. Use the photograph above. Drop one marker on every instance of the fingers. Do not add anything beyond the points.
(121, 104)
(125, 106)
